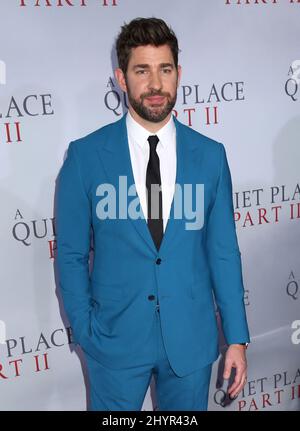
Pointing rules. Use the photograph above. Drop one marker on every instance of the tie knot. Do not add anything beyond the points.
(153, 141)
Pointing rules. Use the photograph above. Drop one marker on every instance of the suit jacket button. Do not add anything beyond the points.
(158, 261)
(151, 297)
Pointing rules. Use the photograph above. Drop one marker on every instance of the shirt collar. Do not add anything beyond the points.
(140, 135)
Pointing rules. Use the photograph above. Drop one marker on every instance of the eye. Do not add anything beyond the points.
(167, 70)
(141, 72)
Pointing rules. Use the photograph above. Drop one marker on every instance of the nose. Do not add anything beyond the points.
(155, 81)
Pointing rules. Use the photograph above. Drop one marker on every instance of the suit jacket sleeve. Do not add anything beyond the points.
(73, 227)
(225, 259)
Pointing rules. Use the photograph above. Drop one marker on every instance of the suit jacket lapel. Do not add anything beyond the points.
(115, 157)
(184, 165)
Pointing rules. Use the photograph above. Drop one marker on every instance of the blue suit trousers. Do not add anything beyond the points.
(125, 389)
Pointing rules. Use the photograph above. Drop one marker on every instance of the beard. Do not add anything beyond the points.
(155, 113)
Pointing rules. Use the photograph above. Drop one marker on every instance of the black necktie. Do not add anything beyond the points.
(154, 202)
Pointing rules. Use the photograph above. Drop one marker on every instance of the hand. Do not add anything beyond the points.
(236, 358)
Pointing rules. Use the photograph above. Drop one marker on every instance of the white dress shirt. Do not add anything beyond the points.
(139, 154)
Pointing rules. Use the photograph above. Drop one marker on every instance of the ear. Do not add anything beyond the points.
(121, 79)
(179, 70)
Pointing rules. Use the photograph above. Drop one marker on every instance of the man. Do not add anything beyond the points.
(147, 308)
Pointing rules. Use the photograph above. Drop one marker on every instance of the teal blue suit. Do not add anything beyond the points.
(111, 308)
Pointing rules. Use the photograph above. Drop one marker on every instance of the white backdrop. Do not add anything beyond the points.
(240, 86)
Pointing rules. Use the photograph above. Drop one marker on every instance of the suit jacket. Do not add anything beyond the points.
(111, 308)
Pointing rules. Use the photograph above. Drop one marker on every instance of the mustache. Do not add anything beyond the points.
(155, 93)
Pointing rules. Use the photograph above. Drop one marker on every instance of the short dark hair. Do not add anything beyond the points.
(144, 31)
